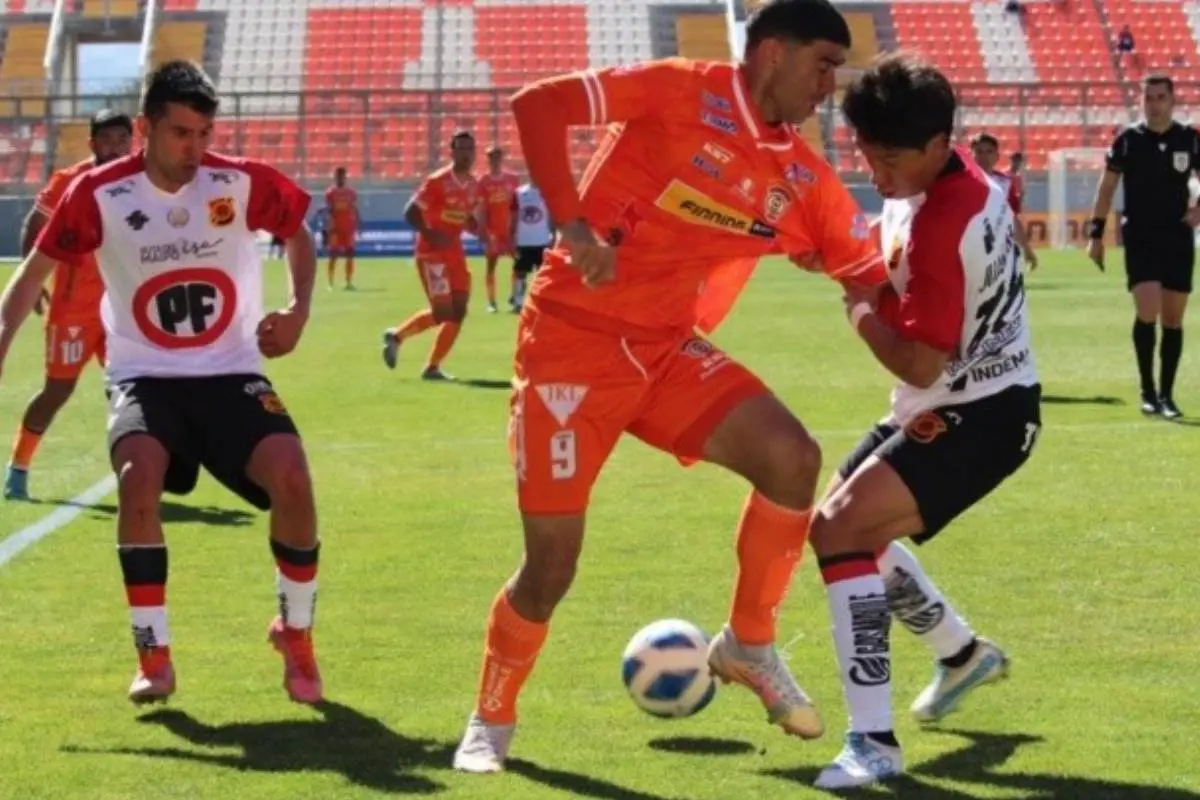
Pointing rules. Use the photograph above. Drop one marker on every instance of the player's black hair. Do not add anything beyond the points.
(336, 170)
(495, 150)
(461, 134)
(900, 101)
(1158, 79)
(802, 21)
(985, 138)
(178, 82)
(107, 118)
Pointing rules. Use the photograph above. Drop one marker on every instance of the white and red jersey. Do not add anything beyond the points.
(182, 272)
(1009, 186)
(955, 269)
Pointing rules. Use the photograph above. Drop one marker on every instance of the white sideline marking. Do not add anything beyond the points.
(66, 512)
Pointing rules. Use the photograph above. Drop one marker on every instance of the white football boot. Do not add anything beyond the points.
(484, 747)
(863, 761)
(951, 684)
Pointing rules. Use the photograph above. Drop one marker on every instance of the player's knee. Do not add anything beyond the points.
(140, 475)
(791, 465)
(289, 484)
(443, 313)
(541, 584)
(56, 392)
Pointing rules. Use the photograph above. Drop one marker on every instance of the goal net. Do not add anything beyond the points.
(1073, 175)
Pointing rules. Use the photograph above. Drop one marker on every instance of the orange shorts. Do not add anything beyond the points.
(70, 345)
(443, 275)
(576, 391)
(498, 245)
(341, 240)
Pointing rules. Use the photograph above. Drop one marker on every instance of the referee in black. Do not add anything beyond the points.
(1156, 158)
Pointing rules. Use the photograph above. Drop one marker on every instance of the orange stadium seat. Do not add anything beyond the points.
(22, 77)
(523, 43)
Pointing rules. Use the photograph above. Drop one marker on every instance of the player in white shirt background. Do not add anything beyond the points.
(174, 232)
(532, 232)
(951, 325)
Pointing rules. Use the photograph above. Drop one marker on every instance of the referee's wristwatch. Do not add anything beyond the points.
(1095, 228)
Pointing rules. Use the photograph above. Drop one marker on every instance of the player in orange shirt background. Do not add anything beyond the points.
(74, 334)
(344, 224)
(703, 175)
(498, 193)
(446, 204)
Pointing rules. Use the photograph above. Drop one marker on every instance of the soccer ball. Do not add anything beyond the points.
(665, 669)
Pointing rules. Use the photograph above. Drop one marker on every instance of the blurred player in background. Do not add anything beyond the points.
(952, 327)
(497, 190)
(1016, 172)
(344, 224)
(985, 149)
(1157, 159)
(186, 335)
(446, 204)
(533, 232)
(704, 174)
(74, 333)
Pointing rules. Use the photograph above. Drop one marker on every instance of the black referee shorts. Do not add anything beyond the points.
(1160, 256)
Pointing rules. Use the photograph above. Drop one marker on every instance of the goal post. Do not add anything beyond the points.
(1073, 176)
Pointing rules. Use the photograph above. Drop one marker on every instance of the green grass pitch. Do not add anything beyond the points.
(1082, 566)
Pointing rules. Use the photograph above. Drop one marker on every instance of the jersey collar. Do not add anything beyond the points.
(773, 137)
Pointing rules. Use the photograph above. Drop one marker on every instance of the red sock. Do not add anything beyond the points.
(418, 322)
(25, 444)
(770, 541)
(443, 343)
(512, 648)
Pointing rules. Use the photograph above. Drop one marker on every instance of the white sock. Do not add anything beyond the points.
(861, 625)
(297, 601)
(918, 604)
(518, 291)
(150, 626)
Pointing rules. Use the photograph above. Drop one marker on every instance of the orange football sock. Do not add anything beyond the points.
(349, 270)
(491, 288)
(770, 540)
(512, 648)
(24, 446)
(418, 322)
(444, 343)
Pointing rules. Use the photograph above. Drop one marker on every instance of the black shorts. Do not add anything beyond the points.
(952, 457)
(528, 259)
(1167, 257)
(211, 422)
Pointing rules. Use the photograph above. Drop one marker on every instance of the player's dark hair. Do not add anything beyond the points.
(802, 21)
(461, 134)
(985, 138)
(178, 82)
(336, 170)
(1159, 80)
(900, 101)
(107, 118)
(495, 150)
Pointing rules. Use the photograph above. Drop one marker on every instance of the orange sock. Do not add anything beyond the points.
(24, 446)
(443, 343)
(513, 644)
(331, 269)
(770, 541)
(418, 322)
(491, 287)
(349, 270)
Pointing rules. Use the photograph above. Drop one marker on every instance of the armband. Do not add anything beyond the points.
(1095, 228)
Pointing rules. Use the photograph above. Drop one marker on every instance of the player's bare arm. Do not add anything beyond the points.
(35, 220)
(913, 362)
(20, 296)
(1022, 239)
(279, 332)
(1100, 211)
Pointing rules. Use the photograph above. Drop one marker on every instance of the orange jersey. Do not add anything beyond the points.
(447, 204)
(342, 202)
(498, 193)
(77, 289)
(690, 185)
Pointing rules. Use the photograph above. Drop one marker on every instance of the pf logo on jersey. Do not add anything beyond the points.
(221, 212)
(185, 308)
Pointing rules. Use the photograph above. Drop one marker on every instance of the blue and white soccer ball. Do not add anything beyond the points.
(665, 669)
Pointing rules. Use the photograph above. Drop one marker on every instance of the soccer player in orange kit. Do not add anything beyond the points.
(445, 205)
(498, 197)
(704, 175)
(342, 202)
(74, 334)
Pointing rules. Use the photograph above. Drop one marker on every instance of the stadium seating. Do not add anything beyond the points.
(379, 85)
